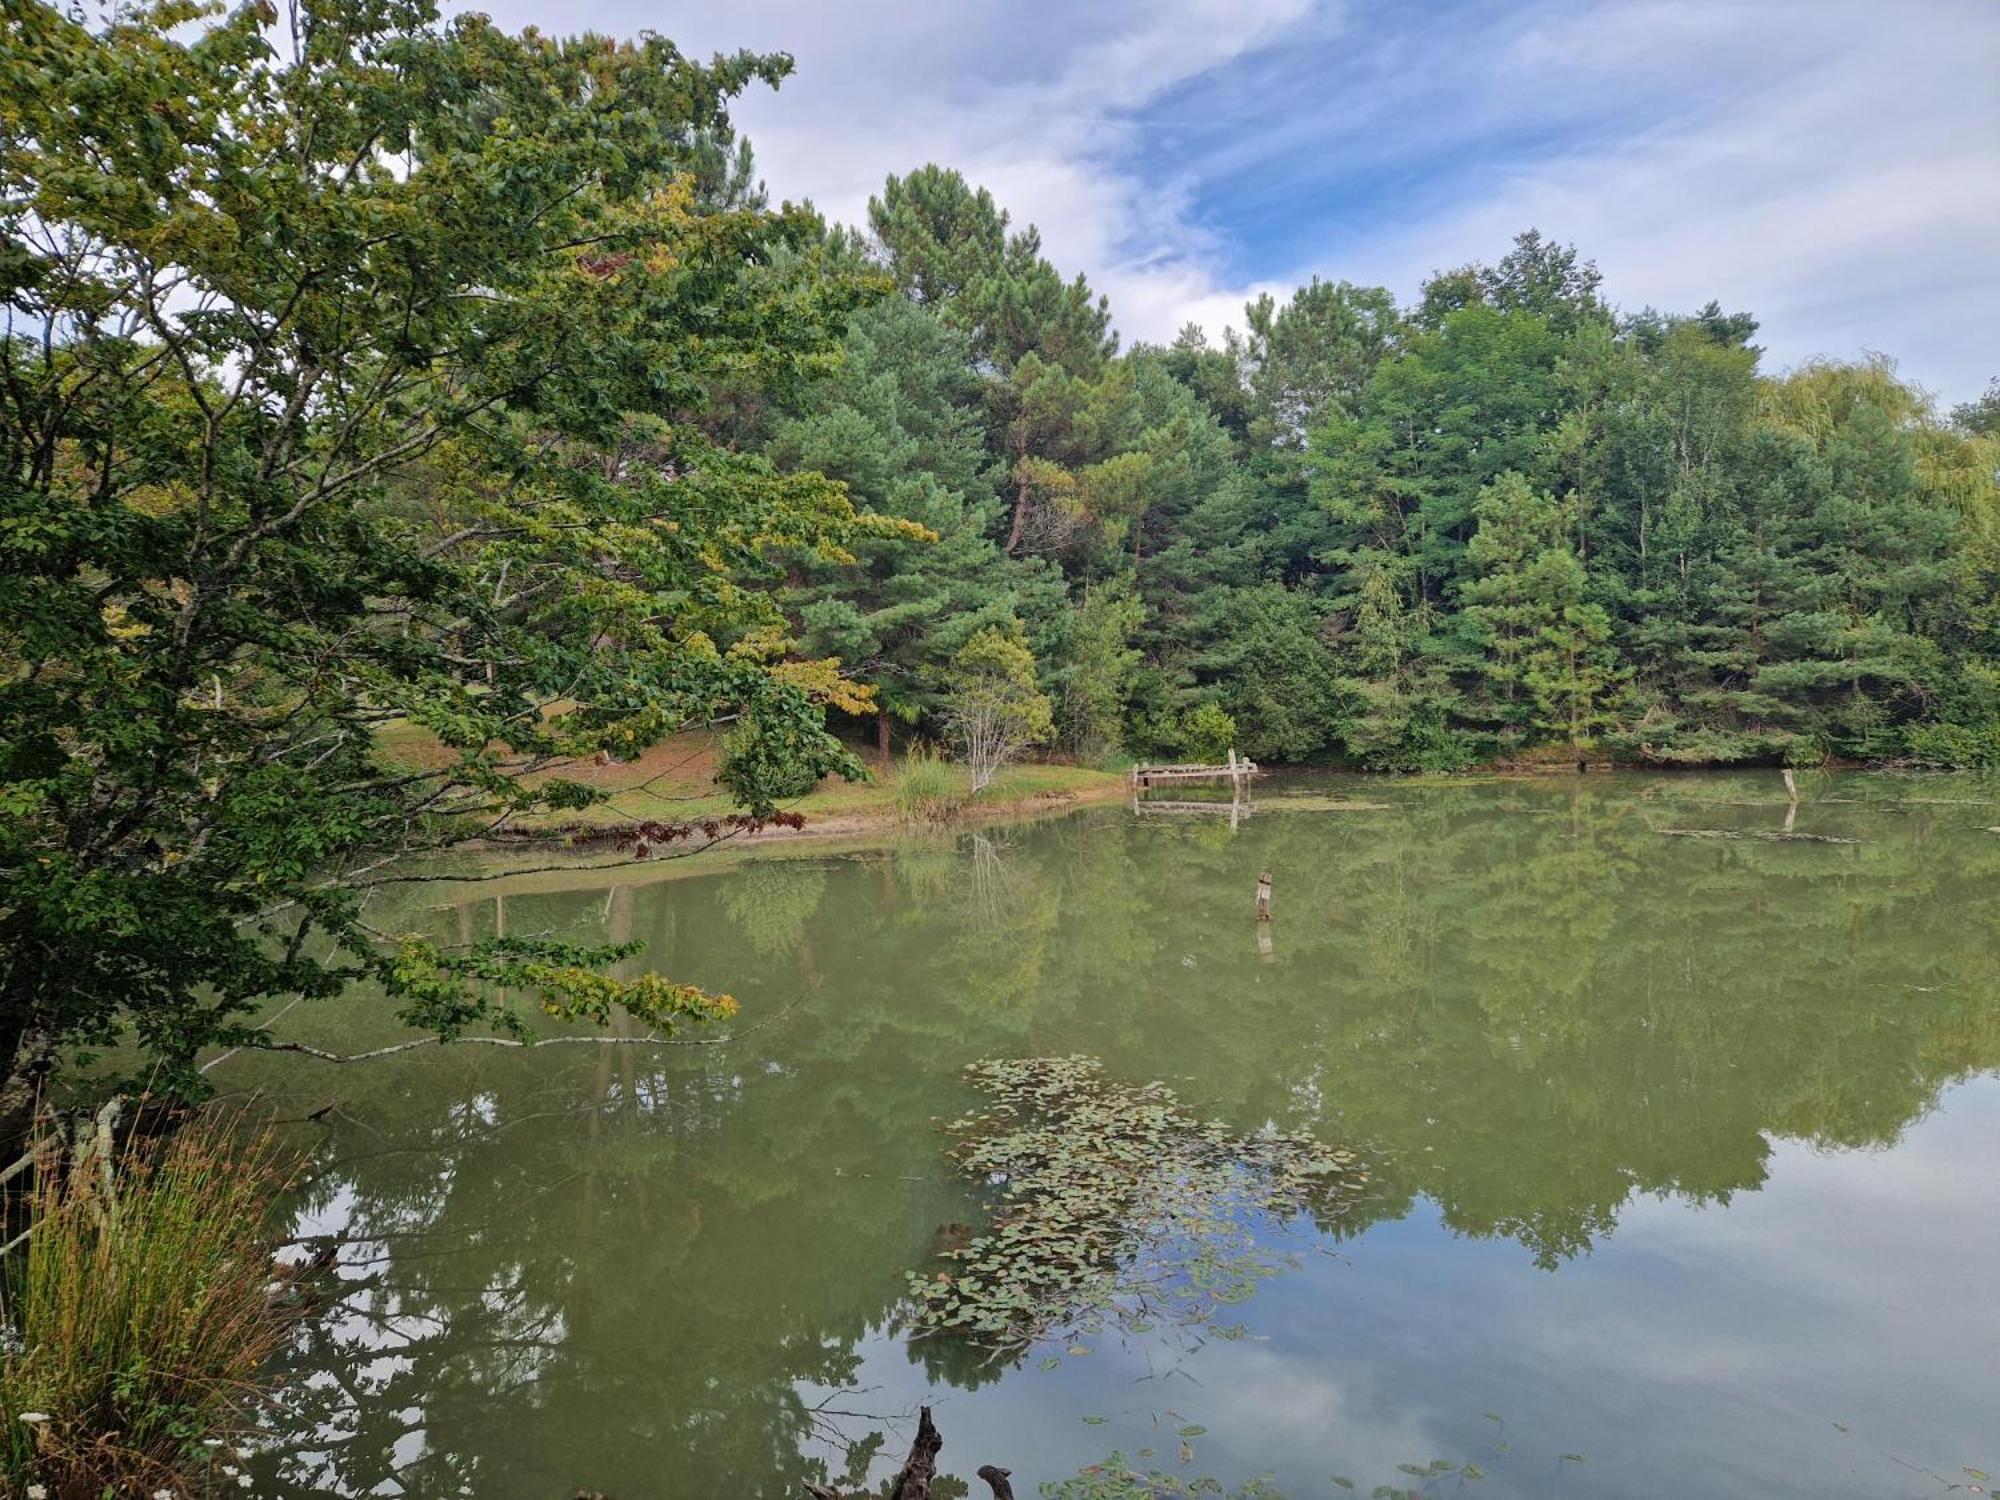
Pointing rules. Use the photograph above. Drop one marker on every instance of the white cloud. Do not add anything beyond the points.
(1830, 165)
(1850, 201)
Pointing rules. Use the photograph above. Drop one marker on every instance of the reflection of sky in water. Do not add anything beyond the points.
(1696, 1351)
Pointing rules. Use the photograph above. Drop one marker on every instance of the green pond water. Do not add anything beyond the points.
(1685, 1156)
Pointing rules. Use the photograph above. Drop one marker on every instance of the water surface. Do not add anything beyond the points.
(1683, 1155)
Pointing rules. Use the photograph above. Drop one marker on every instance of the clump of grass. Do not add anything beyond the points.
(929, 788)
(138, 1312)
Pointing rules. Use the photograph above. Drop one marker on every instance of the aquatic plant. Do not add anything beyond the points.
(1114, 1205)
(1117, 1478)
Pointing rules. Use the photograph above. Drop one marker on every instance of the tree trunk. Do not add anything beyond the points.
(920, 1468)
(21, 1091)
(882, 735)
(1020, 515)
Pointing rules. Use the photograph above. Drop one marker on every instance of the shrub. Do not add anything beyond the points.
(762, 759)
(1956, 746)
(929, 789)
(1208, 732)
(139, 1310)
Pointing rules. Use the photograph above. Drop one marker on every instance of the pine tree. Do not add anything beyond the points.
(901, 426)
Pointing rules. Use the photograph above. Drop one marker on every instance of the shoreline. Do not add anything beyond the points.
(872, 815)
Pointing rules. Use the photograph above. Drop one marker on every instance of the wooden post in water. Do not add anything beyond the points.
(1264, 897)
(1791, 799)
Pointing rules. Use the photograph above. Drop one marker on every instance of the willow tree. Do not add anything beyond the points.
(347, 386)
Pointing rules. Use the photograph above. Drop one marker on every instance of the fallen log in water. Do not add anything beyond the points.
(914, 1480)
(1769, 836)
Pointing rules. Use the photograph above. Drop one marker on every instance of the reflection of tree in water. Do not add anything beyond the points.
(773, 900)
(621, 1269)
(529, 1264)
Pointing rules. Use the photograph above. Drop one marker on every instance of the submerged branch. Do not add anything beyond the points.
(651, 1039)
(1768, 836)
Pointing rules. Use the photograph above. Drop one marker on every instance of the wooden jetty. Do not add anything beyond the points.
(1236, 769)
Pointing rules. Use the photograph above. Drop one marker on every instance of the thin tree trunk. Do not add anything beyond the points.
(882, 735)
(1020, 515)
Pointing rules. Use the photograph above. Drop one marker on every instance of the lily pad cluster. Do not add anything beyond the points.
(1112, 1204)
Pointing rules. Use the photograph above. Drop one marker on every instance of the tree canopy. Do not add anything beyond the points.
(352, 388)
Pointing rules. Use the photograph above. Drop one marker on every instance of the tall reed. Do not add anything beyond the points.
(137, 1314)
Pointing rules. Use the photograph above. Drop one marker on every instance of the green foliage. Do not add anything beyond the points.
(1954, 746)
(1100, 668)
(996, 711)
(1547, 660)
(139, 1310)
(948, 247)
(901, 425)
(1207, 733)
(1264, 657)
(353, 384)
(768, 759)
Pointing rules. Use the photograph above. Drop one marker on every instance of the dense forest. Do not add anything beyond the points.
(1505, 519)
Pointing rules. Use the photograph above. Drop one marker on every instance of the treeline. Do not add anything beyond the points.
(1505, 520)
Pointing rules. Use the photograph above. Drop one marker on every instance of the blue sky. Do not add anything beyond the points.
(1830, 165)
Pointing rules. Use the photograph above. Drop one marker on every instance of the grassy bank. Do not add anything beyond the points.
(674, 782)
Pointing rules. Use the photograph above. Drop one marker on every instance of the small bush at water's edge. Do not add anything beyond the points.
(929, 788)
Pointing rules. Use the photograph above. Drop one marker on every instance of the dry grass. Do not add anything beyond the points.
(139, 1311)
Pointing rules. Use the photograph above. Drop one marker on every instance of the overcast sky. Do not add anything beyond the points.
(1831, 165)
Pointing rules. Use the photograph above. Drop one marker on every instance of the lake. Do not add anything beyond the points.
(1683, 1177)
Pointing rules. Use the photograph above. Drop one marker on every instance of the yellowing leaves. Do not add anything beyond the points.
(823, 682)
(119, 624)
